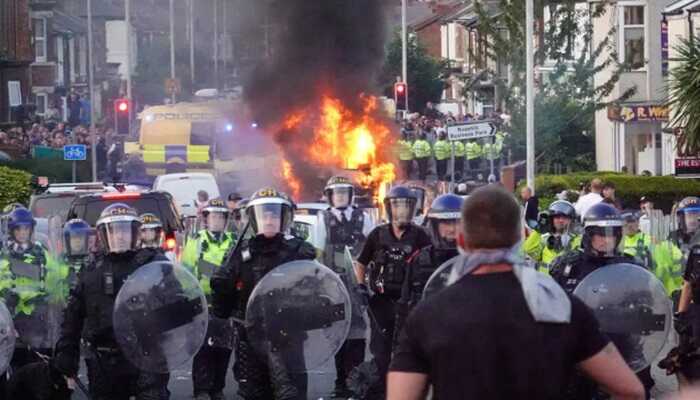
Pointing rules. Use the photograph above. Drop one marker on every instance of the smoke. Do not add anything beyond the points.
(316, 47)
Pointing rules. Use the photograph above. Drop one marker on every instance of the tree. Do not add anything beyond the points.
(426, 77)
(684, 96)
(566, 96)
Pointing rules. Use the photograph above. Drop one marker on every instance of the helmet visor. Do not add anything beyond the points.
(341, 196)
(270, 219)
(216, 222)
(402, 210)
(120, 236)
(151, 237)
(22, 233)
(604, 240)
(692, 220)
(78, 243)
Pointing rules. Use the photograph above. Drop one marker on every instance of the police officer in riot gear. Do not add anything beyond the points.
(344, 226)
(385, 256)
(687, 319)
(151, 234)
(554, 235)
(271, 214)
(238, 219)
(600, 246)
(443, 225)
(88, 316)
(23, 278)
(203, 255)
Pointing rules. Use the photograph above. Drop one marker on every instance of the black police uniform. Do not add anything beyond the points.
(569, 270)
(339, 234)
(89, 316)
(421, 267)
(386, 258)
(689, 345)
(232, 284)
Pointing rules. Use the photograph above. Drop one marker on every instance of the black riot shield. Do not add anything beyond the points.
(299, 313)
(632, 308)
(160, 317)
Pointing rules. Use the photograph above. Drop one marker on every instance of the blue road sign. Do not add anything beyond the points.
(75, 152)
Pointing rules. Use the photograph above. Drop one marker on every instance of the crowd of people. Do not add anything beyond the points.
(424, 150)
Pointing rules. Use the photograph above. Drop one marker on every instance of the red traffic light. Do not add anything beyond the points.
(122, 105)
(400, 88)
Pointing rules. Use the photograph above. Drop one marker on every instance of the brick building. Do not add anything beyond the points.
(15, 56)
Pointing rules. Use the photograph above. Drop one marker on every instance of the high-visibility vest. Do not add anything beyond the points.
(405, 150)
(421, 149)
(460, 149)
(473, 150)
(442, 150)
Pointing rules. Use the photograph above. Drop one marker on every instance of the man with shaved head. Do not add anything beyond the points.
(493, 332)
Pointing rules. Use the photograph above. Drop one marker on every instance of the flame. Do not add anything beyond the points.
(343, 139)
(292, 181)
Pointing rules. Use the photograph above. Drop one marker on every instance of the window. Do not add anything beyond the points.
(39, 39)
(632, 46)
(42, 102)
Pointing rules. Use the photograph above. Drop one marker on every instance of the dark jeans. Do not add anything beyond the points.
(422, 168)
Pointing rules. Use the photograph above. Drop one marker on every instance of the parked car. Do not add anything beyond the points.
(57, 198)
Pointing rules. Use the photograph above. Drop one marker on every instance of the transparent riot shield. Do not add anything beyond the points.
(55, 233)
(298, 315)
(160, 317)
(191, 227)
(358, 325)
(438, 280)
(36, 317)
(7, 338)
(632, 308)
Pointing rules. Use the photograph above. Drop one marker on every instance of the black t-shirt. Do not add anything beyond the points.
(418, 240)
(478, 340)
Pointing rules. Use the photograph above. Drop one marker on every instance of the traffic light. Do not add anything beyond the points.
(401, 96)
(121, 116)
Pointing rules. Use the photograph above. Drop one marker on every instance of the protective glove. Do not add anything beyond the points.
(682, 324)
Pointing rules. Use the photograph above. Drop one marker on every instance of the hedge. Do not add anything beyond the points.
(15, 186)
(58, 171)
(664, 191)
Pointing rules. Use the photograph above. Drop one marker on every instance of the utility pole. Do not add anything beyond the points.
(404, 47)
(192, 43)
(530, 93)
(216, 43)
(172, 46)
(127, 13)
(91, 86)
(224, 47)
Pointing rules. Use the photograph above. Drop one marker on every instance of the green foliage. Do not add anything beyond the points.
(56, 170)
(684, 95)
(426, 78)
(664, 191)
(16, 187)
(566, 96)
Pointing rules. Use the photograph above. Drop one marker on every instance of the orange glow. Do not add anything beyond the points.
(292, 181)
(344, 139)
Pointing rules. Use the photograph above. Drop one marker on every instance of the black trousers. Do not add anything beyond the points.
(19, 384)
(422, 167)
(441, 167)
(350, 355)
(459, 167)
(383, 318)
(111, 379)
(209, 368)
(269, 377)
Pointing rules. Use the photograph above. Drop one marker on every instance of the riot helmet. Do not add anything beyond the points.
(270, 212)
(20, 225)
(77, 235)
(602, 231)
(215, 215)
(561, 213)
(151, 233)
(238, 218)
(118, 228)
(688, 215)
(339, 192)
(400, 206)
(443, 220)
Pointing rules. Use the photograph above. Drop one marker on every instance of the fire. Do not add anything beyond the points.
(343, 139)
(292, 181)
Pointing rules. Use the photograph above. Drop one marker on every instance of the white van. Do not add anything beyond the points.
(184, 187)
